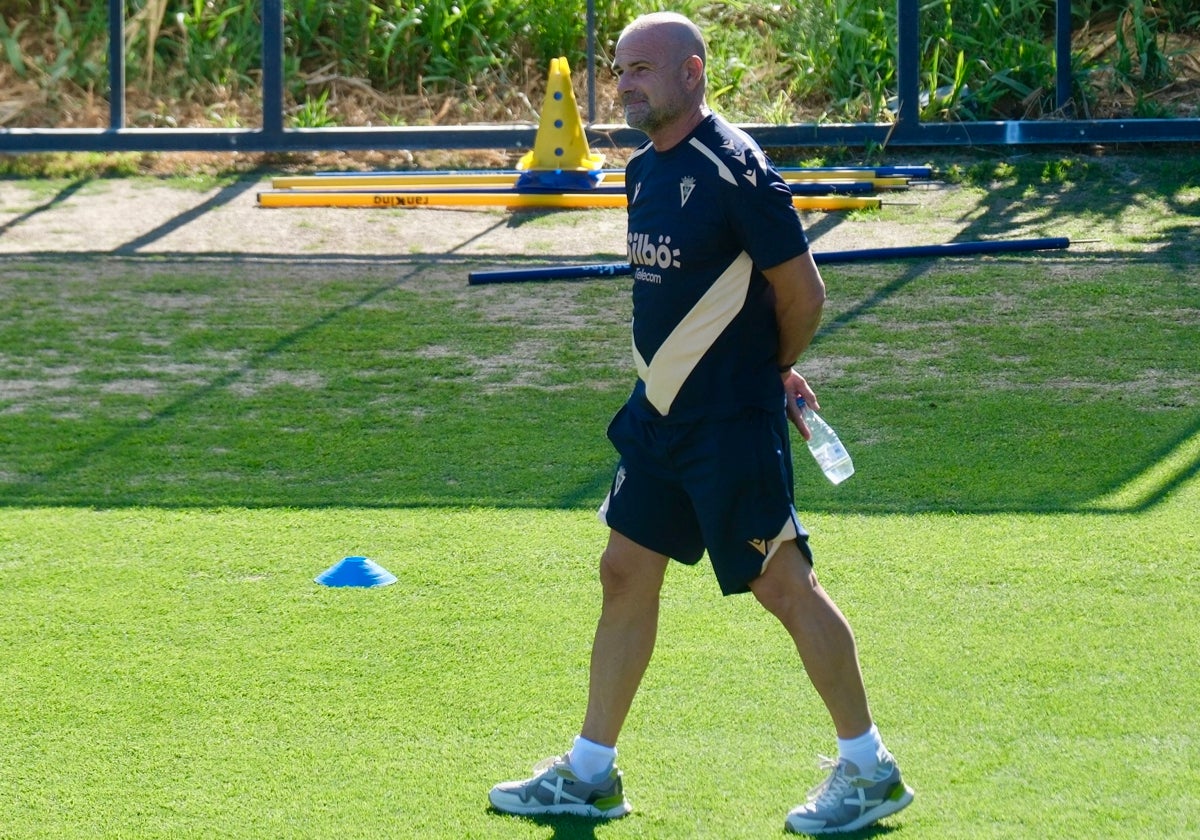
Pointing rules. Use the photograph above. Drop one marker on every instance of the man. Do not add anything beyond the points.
(726, 296)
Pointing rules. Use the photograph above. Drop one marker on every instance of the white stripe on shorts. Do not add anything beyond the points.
(789, 532)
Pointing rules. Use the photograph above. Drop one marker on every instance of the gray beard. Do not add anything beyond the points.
(649, 120)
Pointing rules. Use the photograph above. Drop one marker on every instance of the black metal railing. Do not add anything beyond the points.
(907, 130)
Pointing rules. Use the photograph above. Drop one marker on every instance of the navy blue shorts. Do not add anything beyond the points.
(722, 485)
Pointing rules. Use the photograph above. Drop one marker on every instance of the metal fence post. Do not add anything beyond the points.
(591, 60)
(908, 66)
(272, 68)
(1062, 57)
(116, 64)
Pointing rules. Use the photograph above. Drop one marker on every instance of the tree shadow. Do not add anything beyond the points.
(1012, 206)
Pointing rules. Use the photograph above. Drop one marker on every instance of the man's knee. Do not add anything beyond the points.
(629, 568)
(787, 580)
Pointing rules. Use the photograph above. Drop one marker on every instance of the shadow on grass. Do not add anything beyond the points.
(561, 826)
(223, 196)
(568, 827)
(864, 833)
(59, 197)
(1009, 203)
(1036, 194)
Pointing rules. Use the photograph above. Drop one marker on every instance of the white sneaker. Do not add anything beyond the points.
(848, 801)
(555, 789)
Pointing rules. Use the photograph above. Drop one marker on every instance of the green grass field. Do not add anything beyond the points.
(182, 451)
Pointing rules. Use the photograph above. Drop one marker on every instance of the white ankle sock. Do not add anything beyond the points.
(864, 751)
(591, 761)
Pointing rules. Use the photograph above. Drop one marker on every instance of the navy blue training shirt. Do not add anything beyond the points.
(704, 218)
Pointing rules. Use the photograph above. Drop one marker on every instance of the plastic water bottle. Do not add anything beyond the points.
(825, 446)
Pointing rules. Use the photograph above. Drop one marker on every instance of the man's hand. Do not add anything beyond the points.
(797, 387)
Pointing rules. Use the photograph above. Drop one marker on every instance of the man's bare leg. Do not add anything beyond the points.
(632, 578)
(788, 588)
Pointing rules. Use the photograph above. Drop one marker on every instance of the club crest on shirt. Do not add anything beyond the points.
(686, 184)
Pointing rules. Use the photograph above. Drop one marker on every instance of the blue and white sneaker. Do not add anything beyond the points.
(848, 801)
(555, 789)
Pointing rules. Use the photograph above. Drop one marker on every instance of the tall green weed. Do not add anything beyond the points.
(979, 59)
(70, 42)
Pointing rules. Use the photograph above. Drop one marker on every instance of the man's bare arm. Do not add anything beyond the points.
(799, 299)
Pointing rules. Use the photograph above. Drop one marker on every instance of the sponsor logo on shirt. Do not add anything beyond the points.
(641, 275)
(652, 252)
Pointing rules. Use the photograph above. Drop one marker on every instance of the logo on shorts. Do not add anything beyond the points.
(619, 480)
(761, 546)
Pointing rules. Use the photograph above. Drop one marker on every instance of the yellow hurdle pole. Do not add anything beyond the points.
(409, 200)
(332, 182)
(835, 202)
(844, 175)
(406, 200)
(484, 180)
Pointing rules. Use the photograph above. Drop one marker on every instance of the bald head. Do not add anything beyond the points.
(677, 35)
(660, 61)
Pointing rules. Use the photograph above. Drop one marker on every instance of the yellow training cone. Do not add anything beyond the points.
(560, 144)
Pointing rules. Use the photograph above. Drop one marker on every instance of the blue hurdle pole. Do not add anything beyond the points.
(951, 249)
